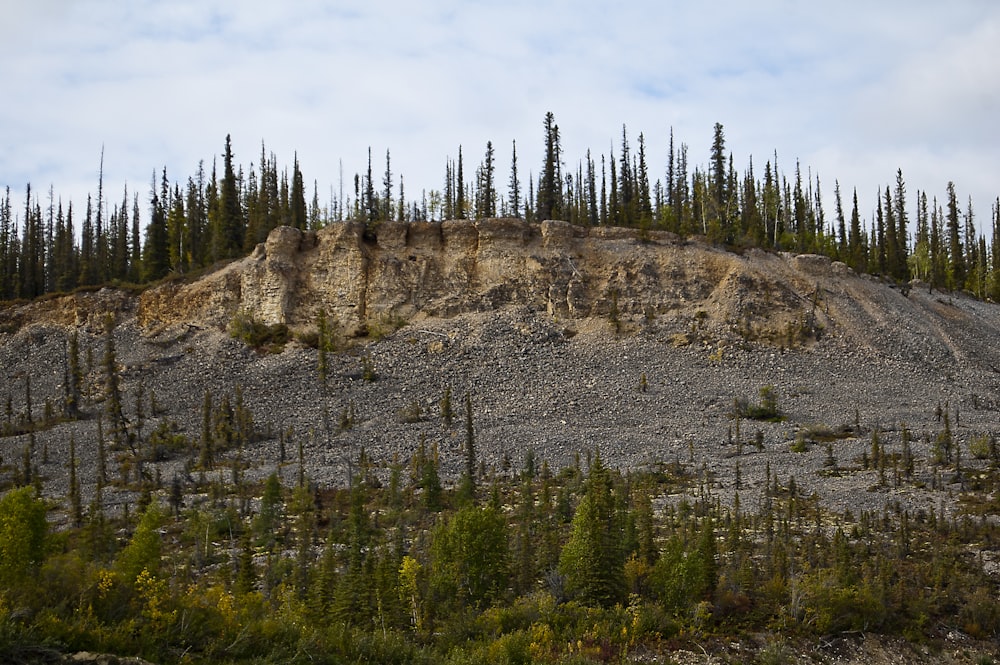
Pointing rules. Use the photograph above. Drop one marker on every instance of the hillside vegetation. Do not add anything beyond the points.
(506, 442)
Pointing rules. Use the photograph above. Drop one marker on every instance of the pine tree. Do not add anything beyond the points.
(956, 252)
(155, 254)
(207, 455)
(226, 227)
(548, 189)
(467, 484)
(112, 388)
(718, 178)
(461, 207)
(100, 235)
(643, 208)
(76, 505)
(592, 560)
(486, 194)
(994, 286)
(626, 185)
(891, 242)
(593, 216)
(176, 223)
(514, 186)
(902, 222)
(135, 243)
(297, 203)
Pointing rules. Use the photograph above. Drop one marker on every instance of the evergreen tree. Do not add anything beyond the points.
(176, 223)
(100, 236)
(207, 455)
(514, 186)
(155, 254)
(592, 560)
(549, 187)
(956, 252)
(626, 185)
(593, 216)
(297, 204)
(467, 485)
(8, 255)
(461, 207)
(231, 224)
(994, 285)
(643, 207)
(902, 222)
(486, 195)
(135, 244)
(112, 388)
(718, 174)
(74, 377)
(891, 243)
(76, 505)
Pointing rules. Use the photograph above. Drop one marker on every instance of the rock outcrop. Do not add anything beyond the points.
(448, 268)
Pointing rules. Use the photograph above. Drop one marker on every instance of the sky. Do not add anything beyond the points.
(851, 90)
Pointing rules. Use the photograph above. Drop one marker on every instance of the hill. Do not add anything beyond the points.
(551, 329)
(749, 370)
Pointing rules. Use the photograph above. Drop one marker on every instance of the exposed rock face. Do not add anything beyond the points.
(453, 267)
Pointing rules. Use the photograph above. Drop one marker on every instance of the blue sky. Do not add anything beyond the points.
(853, 91)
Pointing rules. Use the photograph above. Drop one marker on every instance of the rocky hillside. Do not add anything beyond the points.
(568, 340)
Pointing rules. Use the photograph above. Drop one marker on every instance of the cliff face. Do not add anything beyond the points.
(453, 267)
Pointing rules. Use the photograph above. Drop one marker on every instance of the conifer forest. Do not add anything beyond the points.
(524, 562)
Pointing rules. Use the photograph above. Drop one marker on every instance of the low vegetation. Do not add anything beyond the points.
(573, 565)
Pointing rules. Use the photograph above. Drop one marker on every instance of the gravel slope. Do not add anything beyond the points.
(562, 388)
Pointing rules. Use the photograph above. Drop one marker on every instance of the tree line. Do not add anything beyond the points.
(184, 226)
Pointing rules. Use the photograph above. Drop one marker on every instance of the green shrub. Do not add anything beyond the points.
(246, 328)
(980, 446)
(767, 410)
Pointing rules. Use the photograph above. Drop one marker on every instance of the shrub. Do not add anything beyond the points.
(411, 413)
(767, 410)
(368, 372)
(383, 326)
(246, 328)
(980, 447)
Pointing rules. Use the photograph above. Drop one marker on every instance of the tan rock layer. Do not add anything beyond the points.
(448, 268)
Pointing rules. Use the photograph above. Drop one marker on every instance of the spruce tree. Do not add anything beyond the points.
(207, 447)
(176, 223)
(112, 388)
(76, 505)
(155, 253)
(467, 485)
(718, 173)
(956, 252)
(228, 236)
(461, 210)
(297, 204)
(486, 194)
(548, 204)
(514, 186)
(592, 560)
(902, 222)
